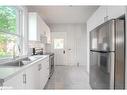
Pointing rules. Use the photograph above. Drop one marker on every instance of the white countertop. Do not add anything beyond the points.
(7, 72)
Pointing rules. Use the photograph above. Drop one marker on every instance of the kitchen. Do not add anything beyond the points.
(49, 49)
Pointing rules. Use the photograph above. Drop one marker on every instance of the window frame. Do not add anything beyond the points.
(58, 48)
(19, 30)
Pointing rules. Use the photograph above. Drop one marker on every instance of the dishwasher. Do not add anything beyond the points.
(51, 64)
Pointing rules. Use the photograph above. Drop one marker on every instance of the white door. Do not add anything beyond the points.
(59, 47)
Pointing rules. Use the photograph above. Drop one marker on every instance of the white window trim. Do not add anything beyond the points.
(21, 26)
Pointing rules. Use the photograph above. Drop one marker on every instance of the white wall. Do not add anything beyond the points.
(76, 39)
(88, 50)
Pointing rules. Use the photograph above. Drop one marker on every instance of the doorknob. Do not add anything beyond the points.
(63, 51)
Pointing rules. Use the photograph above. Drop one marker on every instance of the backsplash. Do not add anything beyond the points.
(48, 47)
(35, 44)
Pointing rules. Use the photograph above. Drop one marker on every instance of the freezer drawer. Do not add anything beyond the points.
(101, 76)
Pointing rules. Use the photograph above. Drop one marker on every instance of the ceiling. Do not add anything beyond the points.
(64, 14)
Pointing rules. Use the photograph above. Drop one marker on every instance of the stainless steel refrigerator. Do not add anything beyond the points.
(107, 55)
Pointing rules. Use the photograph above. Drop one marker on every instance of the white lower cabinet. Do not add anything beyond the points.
(31, 77)
(15, 82)
(34, 77)
(44, 72)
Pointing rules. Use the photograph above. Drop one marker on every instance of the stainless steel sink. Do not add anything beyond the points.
(14, 63)
(20, 62)
(17, 63)
(26, 59)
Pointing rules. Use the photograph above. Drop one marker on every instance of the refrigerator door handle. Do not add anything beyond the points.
(112, 63)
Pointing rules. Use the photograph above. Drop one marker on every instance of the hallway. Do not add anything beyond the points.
(68, 77)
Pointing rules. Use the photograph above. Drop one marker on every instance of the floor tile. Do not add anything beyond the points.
(69, 77)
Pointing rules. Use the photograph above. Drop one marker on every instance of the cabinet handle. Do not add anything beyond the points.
(39, 67)
(24, 78)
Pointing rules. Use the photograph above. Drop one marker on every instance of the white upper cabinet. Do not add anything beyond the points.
(46, 32)
(48, 35)
(34, 31)
(38, 29)
(115, 11)
(104, 13)
(97, 18)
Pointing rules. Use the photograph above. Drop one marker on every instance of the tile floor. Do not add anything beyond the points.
(69, 77)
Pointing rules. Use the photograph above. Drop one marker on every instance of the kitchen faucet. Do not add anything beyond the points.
(14, 49)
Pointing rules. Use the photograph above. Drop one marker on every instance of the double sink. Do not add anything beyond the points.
(20, 62)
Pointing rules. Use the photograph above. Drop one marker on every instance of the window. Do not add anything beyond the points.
(10, 36)
(58, 43)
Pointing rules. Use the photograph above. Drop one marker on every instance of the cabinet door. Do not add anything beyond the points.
(29, 78)
(36, 27)
(15, 82)
(44, 72)
(39, 27)
(48, 35)
(42, 75)
(32, 77)
(101, 15)
(37, 76)
(33, 35)
(115, 11)
(11, 84)
(97, 18)
(46, 32)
